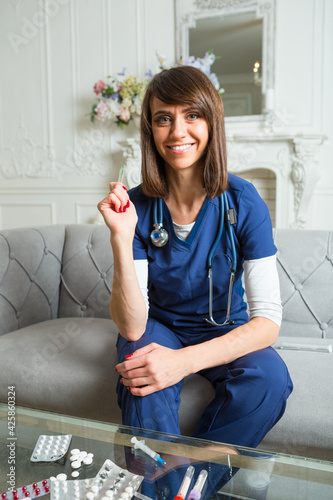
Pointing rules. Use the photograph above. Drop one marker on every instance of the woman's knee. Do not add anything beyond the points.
(155, 332)
(270, 371)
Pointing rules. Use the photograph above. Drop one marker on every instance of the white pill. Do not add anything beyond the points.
(72, 458)
(109, 494)
(76, 464)
(90, 455)
(61, 477)
(90, 495)
(94, 488)
(82, 454)
(75, 473)
(52, 478)
(87, 460)
(75, 451)
(128, 489)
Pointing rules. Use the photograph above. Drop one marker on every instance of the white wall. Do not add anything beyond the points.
(55, 166)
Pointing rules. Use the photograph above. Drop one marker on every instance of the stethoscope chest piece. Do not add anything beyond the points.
(159, 236)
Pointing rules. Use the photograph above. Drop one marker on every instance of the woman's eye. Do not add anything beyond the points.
(163, 119)
(193, 116)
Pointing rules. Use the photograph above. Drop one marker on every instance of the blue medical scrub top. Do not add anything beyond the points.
(178, 273)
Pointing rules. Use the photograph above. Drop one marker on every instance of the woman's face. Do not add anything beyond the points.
(180, 134)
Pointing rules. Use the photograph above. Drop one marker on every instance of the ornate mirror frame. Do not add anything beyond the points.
(188, 12)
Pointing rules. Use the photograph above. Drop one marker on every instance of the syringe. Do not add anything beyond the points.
(195, 494)
(185, 484)
(142, 446)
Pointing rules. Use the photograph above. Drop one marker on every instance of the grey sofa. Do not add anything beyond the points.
(57, 341)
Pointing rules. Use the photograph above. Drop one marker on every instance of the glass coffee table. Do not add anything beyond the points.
(233, 472)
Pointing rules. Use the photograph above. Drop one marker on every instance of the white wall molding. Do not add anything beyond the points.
(46, 87)
(25, 159)
(11, 213)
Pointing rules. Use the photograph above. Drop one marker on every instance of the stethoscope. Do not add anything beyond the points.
(159, 237)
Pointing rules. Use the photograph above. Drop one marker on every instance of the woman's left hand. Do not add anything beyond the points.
(152, 368)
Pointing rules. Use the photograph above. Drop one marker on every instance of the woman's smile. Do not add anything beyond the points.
(181, 148)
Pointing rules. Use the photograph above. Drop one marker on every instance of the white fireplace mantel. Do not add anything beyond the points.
(292, 158)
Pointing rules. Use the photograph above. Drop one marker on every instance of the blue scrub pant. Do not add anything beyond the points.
(250, 394)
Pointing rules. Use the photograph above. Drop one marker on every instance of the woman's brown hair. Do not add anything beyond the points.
(184, 85)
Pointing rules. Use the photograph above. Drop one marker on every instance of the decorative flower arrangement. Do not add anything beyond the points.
(119, 98)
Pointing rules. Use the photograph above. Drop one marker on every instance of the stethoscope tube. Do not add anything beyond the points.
(224, 207)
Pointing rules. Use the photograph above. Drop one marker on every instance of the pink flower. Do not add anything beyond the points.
(124, 114)
(103, 111)
(99, 86)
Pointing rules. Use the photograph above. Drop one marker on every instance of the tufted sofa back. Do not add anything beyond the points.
(30, 266)
(87, 272)
(305, 265)
(54, 271)
(67, 271)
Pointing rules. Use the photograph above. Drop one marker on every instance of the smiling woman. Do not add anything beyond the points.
(161, 298)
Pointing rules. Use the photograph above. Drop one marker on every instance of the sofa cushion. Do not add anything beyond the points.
(30, 264)
(63, 365)
(306, 427)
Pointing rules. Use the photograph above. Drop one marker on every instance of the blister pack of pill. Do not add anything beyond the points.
(113, 483)
(69, 490)
(50, 448)
(34, 490)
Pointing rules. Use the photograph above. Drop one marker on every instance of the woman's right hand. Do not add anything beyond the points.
(118, 212)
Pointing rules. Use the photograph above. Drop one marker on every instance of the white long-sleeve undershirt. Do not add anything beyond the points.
(261, 283)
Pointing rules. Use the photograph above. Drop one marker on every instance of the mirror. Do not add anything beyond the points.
(237, 40)
(241, 35)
